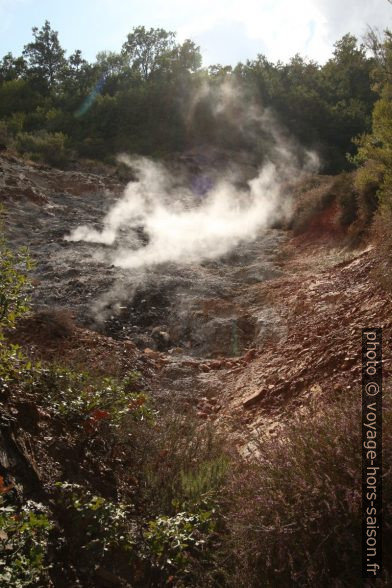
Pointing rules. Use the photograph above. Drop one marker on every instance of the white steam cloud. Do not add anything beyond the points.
(182, 227)
(178, 232)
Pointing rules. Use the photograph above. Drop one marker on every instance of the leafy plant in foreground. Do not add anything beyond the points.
(13, 281)
(102, 524)
(178, 542)
(23, 544)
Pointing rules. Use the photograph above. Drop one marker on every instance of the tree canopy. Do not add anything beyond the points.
(45, 56)
(150, 97)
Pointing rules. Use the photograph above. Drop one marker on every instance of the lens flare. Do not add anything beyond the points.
(89, 101)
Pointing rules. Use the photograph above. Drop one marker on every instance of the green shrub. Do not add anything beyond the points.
(75, 396)
(50, 148)
(15, 123)
(102, 524)
(23, 544)
(79, 396)
(14, 367)
(180, 548)
(11, 126)
(205, 478)
(178, 462)
(13, 282)
(5, 138)
(181, 543)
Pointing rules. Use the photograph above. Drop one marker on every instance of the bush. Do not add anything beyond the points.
(182, 471)
(176, 549)
(5, 138)
(13, 282)
(297, 519)
(42, 146)
(82, 398)
(346, 196)
(181, 543)
(311, 197)
(102, 525)
(23, 544)
(349, 206)
(168, 526)
(191, 460)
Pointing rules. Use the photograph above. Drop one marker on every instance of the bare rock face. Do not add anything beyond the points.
(198, 308)
(38, 183)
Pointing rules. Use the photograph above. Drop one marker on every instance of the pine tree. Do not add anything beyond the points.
(45, 55)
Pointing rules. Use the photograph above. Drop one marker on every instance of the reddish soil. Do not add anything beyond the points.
(323, 304)
(323, 300)
(83, 349)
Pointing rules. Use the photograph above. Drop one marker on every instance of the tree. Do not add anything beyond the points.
(45, 55)
(347, 89)
(76, 79)
(17, 96)
(12, 68)
(76, 61)
(110, 64)
(348, 72)
(145, 49)
(186, 57)
(375, 148)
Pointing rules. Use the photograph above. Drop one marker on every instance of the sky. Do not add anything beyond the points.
(227, 31)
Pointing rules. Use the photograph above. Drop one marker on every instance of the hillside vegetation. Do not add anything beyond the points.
(154, 98)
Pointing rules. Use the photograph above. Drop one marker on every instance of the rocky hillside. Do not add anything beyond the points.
(242, 338)
(243, 345)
